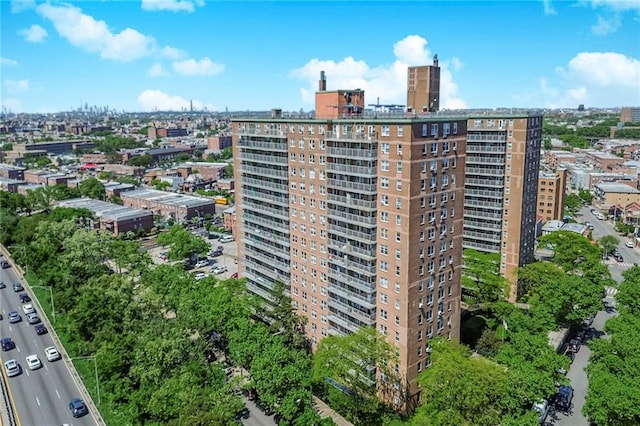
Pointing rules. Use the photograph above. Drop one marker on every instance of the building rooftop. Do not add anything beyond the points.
(578, 228)
(10, 167)
(105, 210)
(552, 225)
(168, 198)
(616, 187)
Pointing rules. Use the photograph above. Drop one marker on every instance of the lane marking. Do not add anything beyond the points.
(57, 393)
(11, 400)
(38, 401)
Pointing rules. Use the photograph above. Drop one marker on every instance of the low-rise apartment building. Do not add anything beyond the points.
(169, 205)
(113, 218)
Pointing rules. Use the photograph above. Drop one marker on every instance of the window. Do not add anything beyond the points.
(446, 127)
(384, 266)
(400, 131)
(384, 200)
(384, 233)
(434, 130)
(385, 130)
(383, 298)
(398, 220)
(384, 182)
(399, 167)
(384, 147)
(384, 249)
(384, 165)
(301, 143)
(397, 237)
(399, 149)
(383, 314)
(399, 185)
(455, 129)
(384, 216)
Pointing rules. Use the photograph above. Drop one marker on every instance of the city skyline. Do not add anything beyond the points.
(141, 56)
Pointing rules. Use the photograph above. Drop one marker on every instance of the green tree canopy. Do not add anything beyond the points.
(183, 243)
(92, 188)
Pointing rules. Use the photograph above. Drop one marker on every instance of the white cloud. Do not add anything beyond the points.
(157, 70)
(606, 26)
(618, 4)
(598, 79)
(156, 100)
(548, 8)
(18, 6)
(87, 33)
(172, 5)
(169, 52)
(12, 104)
(16, 86)
(202, 67)
(34, 34)
(386, 83)
(8, 62)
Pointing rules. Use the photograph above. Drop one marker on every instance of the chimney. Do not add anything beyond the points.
(435, 60)
(323, 82)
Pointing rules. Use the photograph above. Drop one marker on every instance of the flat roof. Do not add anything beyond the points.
(105, 210)
(616, 187)
(168, 198)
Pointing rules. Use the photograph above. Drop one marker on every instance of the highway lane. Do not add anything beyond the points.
(41, 397)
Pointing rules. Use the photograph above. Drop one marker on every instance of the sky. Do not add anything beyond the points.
(148, 55)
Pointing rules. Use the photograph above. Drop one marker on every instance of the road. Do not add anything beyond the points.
(576, 373)
(40, 397)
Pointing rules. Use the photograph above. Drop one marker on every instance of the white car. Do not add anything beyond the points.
(201, 276)
(12, 367)
(28, 308)
(219, 269)
(33, 362)
(202, 263)
(629, 244)
(52, 353)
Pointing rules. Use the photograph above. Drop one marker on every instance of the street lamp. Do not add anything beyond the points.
(50, 289)
(95, 366)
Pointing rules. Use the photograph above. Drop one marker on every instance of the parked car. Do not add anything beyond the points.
(17, 287)
(33, 362)
(215, 253)
(574, 345)
(618, 258)
(200, 276)
(40, 329)
(629, 244)
(78, 408)
(24, 298)
(220, 269)
(234, 275)
(12, 367)
(5, 264)
(542, 408)
(7, 344)
(14, 317)
(563, 398)
(2, 285)
(202, 263)
(226, 239)
(52, 353)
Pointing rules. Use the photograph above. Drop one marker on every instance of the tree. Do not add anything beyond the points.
(92, 188)
(228, 171)
(482, 276)
(183, 243)
(572, 203)
(547, 145)
(459, 389)
(286, 322)
(350, 364)
(608, 242)
(586, 196)
(534, 275)
(628, 296)
(141, 161)
(161, 185)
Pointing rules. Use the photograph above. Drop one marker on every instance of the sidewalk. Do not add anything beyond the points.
(325, 411)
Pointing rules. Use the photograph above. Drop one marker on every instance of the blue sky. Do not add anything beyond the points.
(162, 54)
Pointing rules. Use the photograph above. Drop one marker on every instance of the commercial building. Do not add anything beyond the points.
(113, 218)
(551, 193)
(501, 186)
(169, 205)
(361, 218)
(630, 115)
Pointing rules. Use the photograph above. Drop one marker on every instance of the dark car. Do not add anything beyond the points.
(2, 284)
(618, 258)
(7, 344)
(40, 329)
(77, 407)
(24, 298)
(216, 253)
(17, 287)
(574, 345)
(563, 398)
(5, 264)
(264, 408)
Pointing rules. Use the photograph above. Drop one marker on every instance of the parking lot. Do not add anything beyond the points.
(228, 259)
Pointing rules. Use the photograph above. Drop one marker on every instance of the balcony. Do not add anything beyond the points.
(365, 188)
(355, 266)
(482, 203)
(352, 281)
(265, 146)
(473, 149)
(351, 326)
(348, 169)
(476, 224)
(498, 171)
(367, 300)
(352, 201)
(348, 233)
(254, 132)
(482, 214)
(278, 172)
(474, 159)
(352, 153)
(266, 184)
(350, 136)
(352, 218)
(353, 312)
(278, 225)
(269, 198)
(483, 236)
(265, 159)
(496, 183)
(472, 136)
(483, 193)
(248, 206)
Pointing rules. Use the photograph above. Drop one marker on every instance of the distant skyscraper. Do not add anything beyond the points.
(423, 87)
